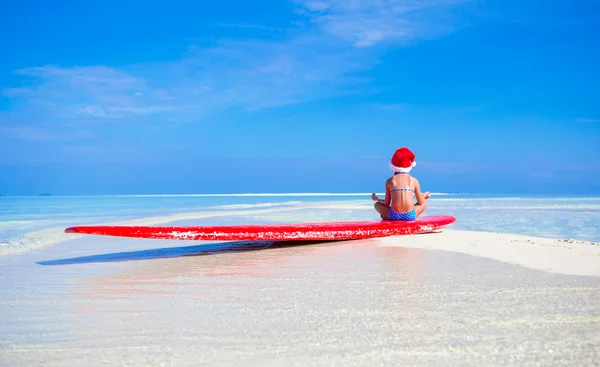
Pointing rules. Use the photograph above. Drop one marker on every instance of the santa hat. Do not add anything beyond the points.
(403, 160)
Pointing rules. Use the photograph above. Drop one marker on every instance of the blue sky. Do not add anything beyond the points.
(298, 96)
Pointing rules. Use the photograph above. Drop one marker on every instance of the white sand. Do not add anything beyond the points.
(569, 257)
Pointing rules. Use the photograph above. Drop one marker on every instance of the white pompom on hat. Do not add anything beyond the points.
(403, 160)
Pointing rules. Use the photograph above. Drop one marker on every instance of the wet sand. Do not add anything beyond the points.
(99, 301)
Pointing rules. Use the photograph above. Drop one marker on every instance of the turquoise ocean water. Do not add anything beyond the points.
(29, 222)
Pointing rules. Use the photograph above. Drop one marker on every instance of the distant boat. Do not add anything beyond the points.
(45, 195)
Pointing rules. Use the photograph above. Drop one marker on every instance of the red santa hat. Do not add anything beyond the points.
(403, 160)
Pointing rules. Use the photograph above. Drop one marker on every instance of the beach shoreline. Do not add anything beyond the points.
(561, 256)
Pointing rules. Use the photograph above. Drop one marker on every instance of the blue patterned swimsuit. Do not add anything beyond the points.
(411, 215)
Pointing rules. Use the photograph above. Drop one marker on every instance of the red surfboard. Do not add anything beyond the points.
(275, 232)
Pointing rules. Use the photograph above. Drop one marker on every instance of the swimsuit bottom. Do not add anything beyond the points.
(411, 215)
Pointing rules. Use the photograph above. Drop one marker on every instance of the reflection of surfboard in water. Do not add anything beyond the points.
(275, 232)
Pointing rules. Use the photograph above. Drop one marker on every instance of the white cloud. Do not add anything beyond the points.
(369, 22)
(320, 62)
(245, 74)
(96, 91)
(317, 6)
(587, 121)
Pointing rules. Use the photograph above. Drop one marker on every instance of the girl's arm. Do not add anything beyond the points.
(387, 199)
(418, 194)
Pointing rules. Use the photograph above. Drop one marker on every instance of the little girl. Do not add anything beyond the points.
(399, 189)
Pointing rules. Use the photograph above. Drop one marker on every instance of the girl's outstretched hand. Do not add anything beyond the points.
(374, 197)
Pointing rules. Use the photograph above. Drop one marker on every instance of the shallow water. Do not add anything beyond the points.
(122, 302)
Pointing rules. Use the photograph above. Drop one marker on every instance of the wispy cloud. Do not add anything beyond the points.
(246, 74)
(96, 91)
(258, 74)
(369, 22)
(587, 121)
(324, 59)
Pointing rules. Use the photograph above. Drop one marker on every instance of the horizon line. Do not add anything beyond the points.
(224, 195)
(312, 194)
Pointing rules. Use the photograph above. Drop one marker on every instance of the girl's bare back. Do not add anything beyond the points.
(402, 189)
